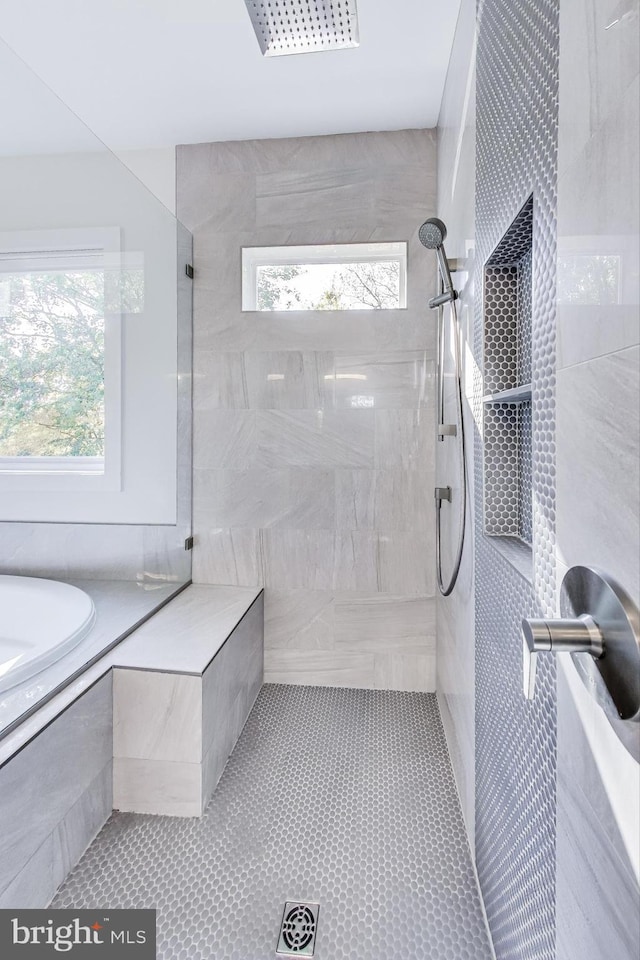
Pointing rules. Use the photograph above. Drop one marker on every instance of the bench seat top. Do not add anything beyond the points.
(185, 635)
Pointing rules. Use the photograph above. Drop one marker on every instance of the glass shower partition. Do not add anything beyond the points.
(95, 376)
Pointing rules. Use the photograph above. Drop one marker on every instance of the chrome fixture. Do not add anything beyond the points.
(432, 235)
(298, 929)
(581, 635)
(600, 619)
(303, 26)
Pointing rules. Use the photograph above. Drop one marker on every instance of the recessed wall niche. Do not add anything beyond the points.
(507, 383)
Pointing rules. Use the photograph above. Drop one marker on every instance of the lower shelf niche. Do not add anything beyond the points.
(507, 470)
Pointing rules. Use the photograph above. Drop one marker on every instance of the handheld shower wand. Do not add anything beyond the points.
(432, 235)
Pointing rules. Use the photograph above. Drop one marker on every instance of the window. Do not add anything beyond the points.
(60, 355)
(349, 276)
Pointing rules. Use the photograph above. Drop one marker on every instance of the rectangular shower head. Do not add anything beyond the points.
(303, 26)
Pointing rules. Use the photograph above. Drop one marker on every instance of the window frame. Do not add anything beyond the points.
(73, 248)
(320, 253)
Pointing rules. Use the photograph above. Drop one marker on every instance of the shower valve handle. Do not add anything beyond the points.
(601, 619)
(581, 635)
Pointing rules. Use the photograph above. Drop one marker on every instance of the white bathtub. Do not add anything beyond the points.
(40, 621)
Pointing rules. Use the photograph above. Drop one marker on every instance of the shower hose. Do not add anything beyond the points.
(446, 588)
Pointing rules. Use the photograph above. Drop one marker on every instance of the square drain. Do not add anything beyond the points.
(298, 929)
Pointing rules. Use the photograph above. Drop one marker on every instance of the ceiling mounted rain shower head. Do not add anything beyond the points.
(303, 26)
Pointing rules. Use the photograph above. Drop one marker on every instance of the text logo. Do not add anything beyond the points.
(27, 934)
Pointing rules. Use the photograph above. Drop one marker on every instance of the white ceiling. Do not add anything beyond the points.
(154, 73)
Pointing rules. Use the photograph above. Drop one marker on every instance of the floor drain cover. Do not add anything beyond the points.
(298, 929)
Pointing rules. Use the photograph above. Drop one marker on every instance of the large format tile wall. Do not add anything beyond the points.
(55, 795)
(455, 614)
(598, 449)
(96, 551)
(295, 488)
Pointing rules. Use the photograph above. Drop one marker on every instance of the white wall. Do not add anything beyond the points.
(455, 614)
(156, 169)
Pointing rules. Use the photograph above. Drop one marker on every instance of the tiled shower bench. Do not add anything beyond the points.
(183, 685)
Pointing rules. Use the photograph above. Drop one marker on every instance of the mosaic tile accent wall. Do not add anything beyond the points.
(500, 310)
(507, 307)
(525, 287)
(508, 507)
(517, 70)
(525, 500)
(501, 478)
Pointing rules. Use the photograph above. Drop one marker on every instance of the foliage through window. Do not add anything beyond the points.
(64, 297)
(52, 360)
(369, 276)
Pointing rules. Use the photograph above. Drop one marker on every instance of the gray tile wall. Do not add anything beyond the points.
(95, 551)
(230, 685)
(157, 743)
(329, 507)
(173, 732)
(598, 404)
(55, 795)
